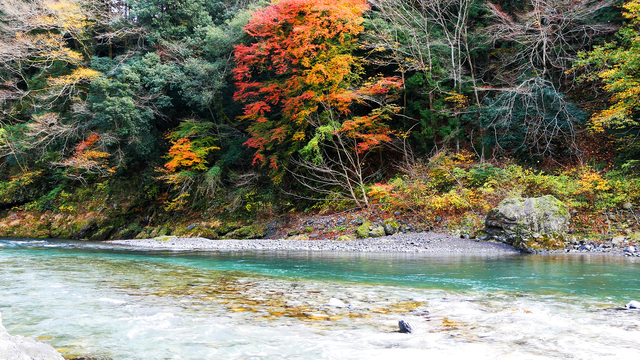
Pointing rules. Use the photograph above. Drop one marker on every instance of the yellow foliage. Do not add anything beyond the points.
(299, 136)
(460, 101)
(63, 14)
(591, 181)
(78, 75)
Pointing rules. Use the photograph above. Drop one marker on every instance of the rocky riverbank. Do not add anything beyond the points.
(433, 243)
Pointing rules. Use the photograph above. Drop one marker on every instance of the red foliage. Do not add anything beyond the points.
(82, 146)
(300, 64)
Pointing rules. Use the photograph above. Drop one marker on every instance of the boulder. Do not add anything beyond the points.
(362, 231)
(530, 223)
(24, 348)
(390, 226)
(377, 231)
(617, 240)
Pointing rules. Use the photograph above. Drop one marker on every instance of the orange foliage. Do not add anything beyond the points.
(87, 158)
(181, 155)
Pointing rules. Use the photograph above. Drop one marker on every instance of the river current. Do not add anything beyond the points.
(98, 301)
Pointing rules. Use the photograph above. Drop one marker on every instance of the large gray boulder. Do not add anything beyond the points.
(530, 223)
(24, 348)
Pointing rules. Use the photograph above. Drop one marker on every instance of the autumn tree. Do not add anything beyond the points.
(187, 171)
(300, 73)
(44, 48)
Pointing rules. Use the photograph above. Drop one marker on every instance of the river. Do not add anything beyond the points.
(101, 301)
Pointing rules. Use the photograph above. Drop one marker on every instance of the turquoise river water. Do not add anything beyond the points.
(99, 301)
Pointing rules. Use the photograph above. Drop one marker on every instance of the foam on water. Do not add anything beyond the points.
(108, 304)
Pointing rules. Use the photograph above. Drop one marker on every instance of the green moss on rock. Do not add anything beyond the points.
(362, 231)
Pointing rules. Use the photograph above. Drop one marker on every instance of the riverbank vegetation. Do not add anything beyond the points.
(219, 118)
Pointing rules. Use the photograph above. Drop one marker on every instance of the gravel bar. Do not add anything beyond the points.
(403, 243)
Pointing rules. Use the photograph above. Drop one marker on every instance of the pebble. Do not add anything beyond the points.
(408, 243)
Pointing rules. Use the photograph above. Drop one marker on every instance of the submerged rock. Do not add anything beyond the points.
(530, 223)
(24, 348)
(405, 327)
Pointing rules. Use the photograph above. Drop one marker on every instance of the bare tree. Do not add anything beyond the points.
(417, 34)
(340, 174)
(546, 39)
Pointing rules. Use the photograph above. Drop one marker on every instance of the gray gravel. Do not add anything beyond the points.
(407, 243)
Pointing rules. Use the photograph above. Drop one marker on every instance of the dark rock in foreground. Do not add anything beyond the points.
(405, 327)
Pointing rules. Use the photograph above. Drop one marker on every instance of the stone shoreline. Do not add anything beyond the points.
(433, 243)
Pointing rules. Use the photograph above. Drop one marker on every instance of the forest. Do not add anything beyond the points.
(143, 118)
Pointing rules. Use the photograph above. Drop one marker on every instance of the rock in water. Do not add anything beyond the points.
(633, 305)
(405, 327)
(24, 348)
(530, 223)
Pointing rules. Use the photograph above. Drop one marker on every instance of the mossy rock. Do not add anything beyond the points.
(346, 238)
(530, 223)
(362, 231)
(164, 238)
(308, 230)
(206, 232)
(131, 231)
(299, 237)
(377, 232)
(390, 226)
(227, 227)
(248, 232)
(103, 233)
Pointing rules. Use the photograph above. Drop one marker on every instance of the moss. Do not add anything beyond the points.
(308, 230)
(131, 231)
(256, 231)
(362, 231)
(377, 232)
(227, 227)
(206, 232)
(164, 238)
(299, 237)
